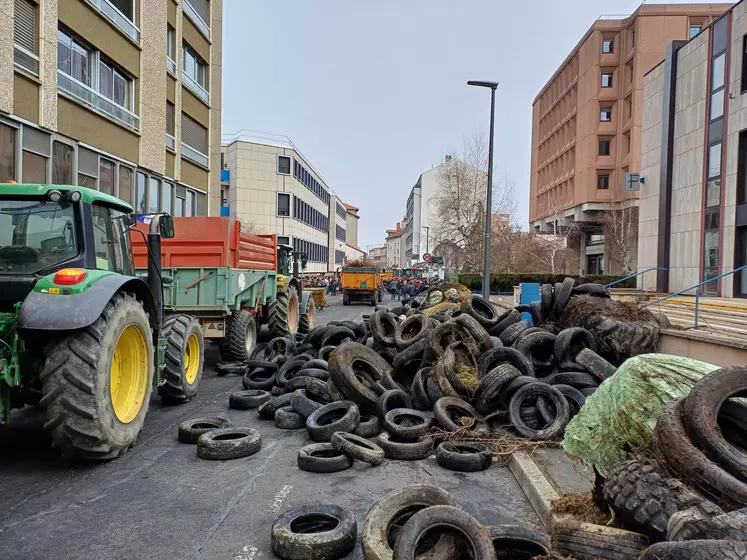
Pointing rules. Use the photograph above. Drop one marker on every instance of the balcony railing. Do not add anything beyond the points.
(80, 92)
(117, 18)
(198, 157)
(196, 19)
(170, 142)
(26, 60)
(170, 65)
(196, 88)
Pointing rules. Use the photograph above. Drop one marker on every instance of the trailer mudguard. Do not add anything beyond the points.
(60, 312)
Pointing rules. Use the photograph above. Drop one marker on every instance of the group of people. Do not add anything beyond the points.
(330, 282)
(400, 288)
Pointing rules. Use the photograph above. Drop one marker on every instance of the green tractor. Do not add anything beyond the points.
(81, 335)
(285, 317)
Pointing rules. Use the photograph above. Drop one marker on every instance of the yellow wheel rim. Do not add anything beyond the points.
(192, 359)
(128, 376)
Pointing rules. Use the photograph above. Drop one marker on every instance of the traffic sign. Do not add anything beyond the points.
(427, 257)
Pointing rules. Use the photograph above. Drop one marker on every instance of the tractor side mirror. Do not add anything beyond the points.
(166, 226)
(129, 220)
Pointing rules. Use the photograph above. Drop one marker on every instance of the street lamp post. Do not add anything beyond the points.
(489, 203)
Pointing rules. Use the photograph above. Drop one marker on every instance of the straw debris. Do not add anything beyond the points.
(581, 507)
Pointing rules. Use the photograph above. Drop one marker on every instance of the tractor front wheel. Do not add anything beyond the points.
(284, 316)
(97, 381)
(241, 337)
(308, 312)
(185, 348)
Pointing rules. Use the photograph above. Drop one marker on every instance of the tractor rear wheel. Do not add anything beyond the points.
(241, 337)
(284, 317)
(308, 312)
(185, 348)
(345, 298)
(97, 381)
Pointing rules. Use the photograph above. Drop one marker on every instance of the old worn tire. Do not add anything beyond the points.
(562, 296)
(191, 430)
(490, 388)
(308, 313)
(573, 397)
(322, 458)
(314, 532)
(369, 426)
(407, 424)
(246, 400)
(383, 327)
(185, 351)
(337, 335)
(535, 390)
(454, 518)
(510, 388)
(267, 410)
(357, 447)
(588, 541)
(519, 543)
(592, 289)
(595, 364)
(672, 445)
(727, 526)
(286, 418)
(354, 369)
(241, 337)
(571, 341)
(445, 409)
(339, 416)
(701, 414)
(259, 378)
(482, 311)
(76, 383)
(645, 498)
(318, 389)
(463, 456)
(504, 321)
(577, 379)
(291, 369)
(619, 340)
(438, 340)
(546, 299)
(304, 404)
(405, 451)
(284, 313)
(496, 356)
(475, 330)
(411, 330)
(697, 550)
(228, 443)
(391, 399)
(509, 336)
(538, 348)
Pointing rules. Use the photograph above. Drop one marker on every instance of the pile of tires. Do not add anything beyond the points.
(415, 521)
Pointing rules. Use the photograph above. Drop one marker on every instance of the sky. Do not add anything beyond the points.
(373, 92)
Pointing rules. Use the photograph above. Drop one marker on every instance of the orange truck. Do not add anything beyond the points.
(361, 284)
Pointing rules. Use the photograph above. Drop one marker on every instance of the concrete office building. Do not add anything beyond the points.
(352, 251)
(586, 125)
(419, 215)
(272, 188)
(122, 96)
(378, 255)
(395, 247)
(694, 162)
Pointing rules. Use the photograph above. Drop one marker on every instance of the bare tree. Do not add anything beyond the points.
(552, 247)
(620, 227)
(250, 227)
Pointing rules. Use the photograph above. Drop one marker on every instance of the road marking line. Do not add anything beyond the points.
(249, 552)
(277, 501)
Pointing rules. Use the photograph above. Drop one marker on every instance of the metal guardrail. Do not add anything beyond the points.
(697, 287)
(192, 14)
(92, 98)
(117, 18)
(193, 86)
(26, 60)
(198, 157)
(633, 276)
(170, 141)
(171, 65)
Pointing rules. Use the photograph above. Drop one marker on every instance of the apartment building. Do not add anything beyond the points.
(272, 188)
(131, 107)
(693, 222)
(586, 127)
(378, 255)
(395, 247)
(352, 251)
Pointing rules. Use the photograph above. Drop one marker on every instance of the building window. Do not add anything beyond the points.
(73, 58)
(595, 264)
(283, 205)
(605, 114)
(24, 37)
(694, 30)
(166, 196)
(194, 73)
(603, 181)
(34, 168)
(713, 187)
(154, 195)
(141, 193)
(106, 176)
(194, 141)
(604, 147)
(608, 45)
(594, 238)
(125, 6)
(114, 85)
(284, 165)
(62, 163)
(606, 79)
(125, 183)
(36, 152)
(710, 255)
(190, 205)
(7, 153)
(744, 65)
(199, 12)
(171, 49)
(340, 233)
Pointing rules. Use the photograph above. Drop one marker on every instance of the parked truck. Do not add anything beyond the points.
(233, 282)
(81, 335)
(361, 284)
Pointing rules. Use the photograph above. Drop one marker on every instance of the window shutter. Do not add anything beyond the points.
(194, 134)
(25, 25)
(170, 118)
(202, 7)
(124, 6)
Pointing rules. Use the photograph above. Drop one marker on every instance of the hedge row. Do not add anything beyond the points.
(506, 282)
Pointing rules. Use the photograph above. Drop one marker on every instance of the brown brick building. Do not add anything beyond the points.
(586, 129)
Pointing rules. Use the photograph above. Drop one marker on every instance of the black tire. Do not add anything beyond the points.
(439, 339)
(264, 364)
(535, 390)
(241, 337)
(408, 362)
(246, 400)
(492, 358)
(303, 404)
(546, 299)
(337, 335)
(619, 340)
(228, 443)
(576, 379)
(538, 348)
(595, 364)
(411, 330)
(191, 430)
(482, 311)
(504, 321)
(391, 399)
(315, 335)
(588, 541)
(279, 321)
(259, 378)
(701, 417)
(535, 310)
(405, 451)
(369, 427)
(314, 532)
(76, 397)
(407, 424)
(286, 418)
(185, 351)
(322, 458)
(510, 388)
(357, 447)
(508, 336)
(419, 394)
(316, 363)
(645, 499)
(389, 514)
(688, 463)
(383, 327)
(340, 416)
(325, 352)
(291, 369)
(318, 390)
(573, 397)
(490, 388)
(697, 550)
(308, 313)
(453, 518)
(562, 296)
(356, 384)
(475, 330)
(592, 289)
(525, 333)
(463, 456)
(267, 410)
(345, 298)
(448, 409)
(727, 526)
(519, 543)
(226, 368)
(571, 341)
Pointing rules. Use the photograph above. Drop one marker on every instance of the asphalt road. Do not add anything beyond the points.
(161, 501)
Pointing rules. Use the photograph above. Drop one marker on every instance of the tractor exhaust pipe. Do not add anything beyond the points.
(155, 282)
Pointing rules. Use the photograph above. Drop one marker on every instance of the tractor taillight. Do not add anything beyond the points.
(70, 276)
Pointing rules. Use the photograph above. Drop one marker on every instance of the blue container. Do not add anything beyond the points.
(529, 293)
